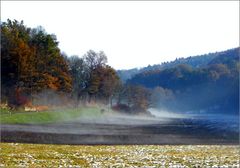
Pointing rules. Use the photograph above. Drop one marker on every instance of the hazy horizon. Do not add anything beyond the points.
(133, 34)
(178, 58)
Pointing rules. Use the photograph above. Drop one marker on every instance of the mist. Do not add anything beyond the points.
(97, 123)
(52, 98)
(167, 114)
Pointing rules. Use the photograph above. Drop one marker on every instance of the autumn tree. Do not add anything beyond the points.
(16, 57)
(107, 81)
(31, 60)
(92, 78)
(102, 78)
(50, 64)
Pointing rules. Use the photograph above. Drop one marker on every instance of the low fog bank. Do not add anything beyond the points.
(117, 118)
(155, 116)
(101, 125)
(221, 121)
(167, 114)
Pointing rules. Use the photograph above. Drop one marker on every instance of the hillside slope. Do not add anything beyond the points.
(214, 86)
(193, 61)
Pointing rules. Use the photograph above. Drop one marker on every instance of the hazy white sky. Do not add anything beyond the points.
(135, 33)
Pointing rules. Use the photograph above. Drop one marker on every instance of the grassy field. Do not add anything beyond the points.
(51, 116)
(37, 155)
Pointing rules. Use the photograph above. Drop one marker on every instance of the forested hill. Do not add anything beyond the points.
(214, 85)
(193, 61)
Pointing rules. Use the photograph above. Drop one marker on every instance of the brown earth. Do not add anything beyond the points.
(115, 131)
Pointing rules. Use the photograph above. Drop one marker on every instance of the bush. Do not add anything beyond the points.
(122, 108)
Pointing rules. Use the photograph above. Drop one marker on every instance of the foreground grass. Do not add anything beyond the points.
(37, 155)
(18, 117)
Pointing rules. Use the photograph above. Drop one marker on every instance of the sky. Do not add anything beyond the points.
(133, 33)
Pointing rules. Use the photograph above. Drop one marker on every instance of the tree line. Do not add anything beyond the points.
(31, 62)
(214, 87)
(198, 61)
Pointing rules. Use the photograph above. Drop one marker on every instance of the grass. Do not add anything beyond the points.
(42, 155)
(21, 117)
(38, 155)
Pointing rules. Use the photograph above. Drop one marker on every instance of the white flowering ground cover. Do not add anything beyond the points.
(147, 156)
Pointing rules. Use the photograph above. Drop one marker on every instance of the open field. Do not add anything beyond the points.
(90, 126)
(50, 116)
(38, 155)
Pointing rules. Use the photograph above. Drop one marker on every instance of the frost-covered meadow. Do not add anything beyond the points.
(38, 155)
